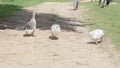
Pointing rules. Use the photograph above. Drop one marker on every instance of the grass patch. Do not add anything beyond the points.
(7, 7)
(7, 10)
(25, 3)
(118, 1)
(107, 18)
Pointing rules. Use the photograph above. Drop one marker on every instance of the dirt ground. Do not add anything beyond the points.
(71, 50)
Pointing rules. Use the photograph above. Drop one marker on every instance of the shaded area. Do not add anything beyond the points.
(44, 21)
(7, 10)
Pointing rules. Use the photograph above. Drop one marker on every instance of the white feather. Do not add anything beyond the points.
(27, 31)
(97, 34)
(55, 30)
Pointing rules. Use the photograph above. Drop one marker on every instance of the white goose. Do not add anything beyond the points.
(97, 35)
(55, 30)
(30, 26)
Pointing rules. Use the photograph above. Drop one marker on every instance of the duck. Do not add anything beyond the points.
(97, 35)
(55, 30)
(30, 26)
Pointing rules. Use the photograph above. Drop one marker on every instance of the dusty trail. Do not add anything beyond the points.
(70, 51)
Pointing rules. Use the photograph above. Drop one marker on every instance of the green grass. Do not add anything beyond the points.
(7, 10)
(116, 1)
(8, 7)
(25, 3)
(107, 18)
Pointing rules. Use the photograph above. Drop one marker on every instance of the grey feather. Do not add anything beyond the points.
(30, 26)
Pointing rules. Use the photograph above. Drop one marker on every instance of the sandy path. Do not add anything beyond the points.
(70, 51)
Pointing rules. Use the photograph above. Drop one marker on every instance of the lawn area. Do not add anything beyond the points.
(107, 18)
(7, 7)
(24, 3)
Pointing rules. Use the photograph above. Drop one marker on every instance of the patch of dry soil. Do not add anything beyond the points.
(71, 50)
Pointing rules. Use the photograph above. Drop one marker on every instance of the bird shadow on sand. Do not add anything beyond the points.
(91, 42)
(28, 35)
(53, 38)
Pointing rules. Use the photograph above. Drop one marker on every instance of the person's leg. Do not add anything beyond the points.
(103, 3)
(99, 2)
(76, 4)
(108, 1)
